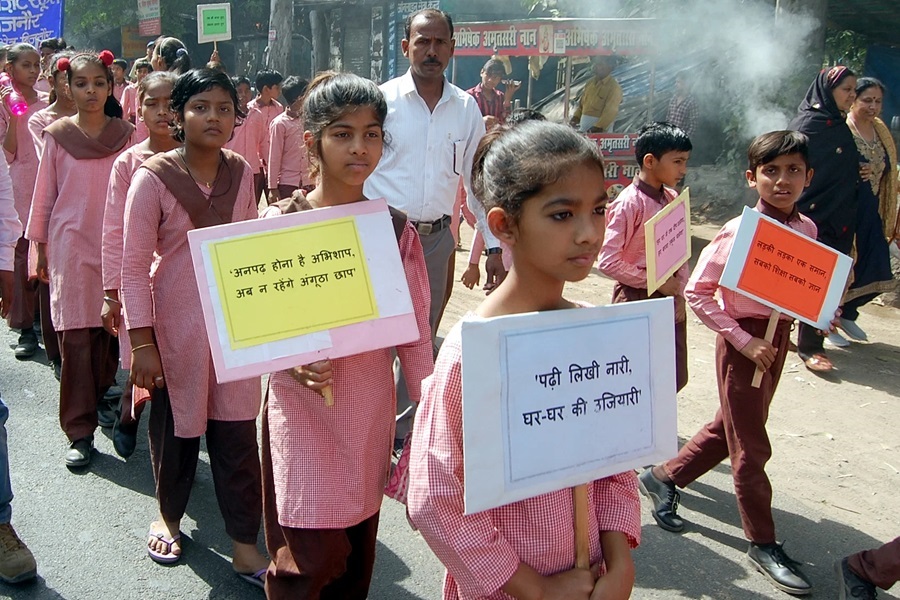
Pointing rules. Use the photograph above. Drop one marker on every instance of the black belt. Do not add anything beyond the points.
(429, 227)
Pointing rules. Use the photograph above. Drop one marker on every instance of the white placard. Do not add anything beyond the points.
(560, 398)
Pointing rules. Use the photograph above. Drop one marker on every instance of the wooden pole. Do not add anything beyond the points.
(770, 335)
(582, 536)
(328, 394)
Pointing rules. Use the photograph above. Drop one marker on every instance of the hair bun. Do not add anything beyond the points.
(181, 52)
(63, 64)
(106, 57)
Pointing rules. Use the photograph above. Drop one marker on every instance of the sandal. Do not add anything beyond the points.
(818, 363)
(168, 557)
(258, 579)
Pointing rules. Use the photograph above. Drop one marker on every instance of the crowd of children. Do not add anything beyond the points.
(108, 177)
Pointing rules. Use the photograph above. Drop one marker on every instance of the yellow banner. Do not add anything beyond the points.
(291, 282)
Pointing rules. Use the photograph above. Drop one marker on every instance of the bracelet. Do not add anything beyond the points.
(111, 299)
(489, 251)
(136, 348)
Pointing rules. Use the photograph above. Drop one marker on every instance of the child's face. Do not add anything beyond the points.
(244, 94)
(89, 88)
(351, 147)
(781, 181)
(141, 73)
(272, 92)
(560, 230)
(208, 118)
(118, 73)
(155, 111)
(61, 86)
(670, 169)
(26, 69)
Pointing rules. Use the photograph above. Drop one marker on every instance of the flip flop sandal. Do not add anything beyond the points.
(818, 363)
(168, 557)
(258, 579)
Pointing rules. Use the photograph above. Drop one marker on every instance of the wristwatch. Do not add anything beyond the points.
(489, 251)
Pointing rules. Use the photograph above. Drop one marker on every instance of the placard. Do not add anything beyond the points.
(149, 21)
(785, 270)
(667, 237)
(602, 402)
(213, 22)
(290, 290)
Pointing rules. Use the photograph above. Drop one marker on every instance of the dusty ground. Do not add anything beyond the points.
(835, 465)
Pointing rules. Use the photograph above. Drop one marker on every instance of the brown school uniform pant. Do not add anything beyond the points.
(21, 314)
(626, 293)
(233, 458)
(259, 184)
(90, 358)
(314, 564)
(286, 191)
(880, 566)
(48, 331)
(739, 431)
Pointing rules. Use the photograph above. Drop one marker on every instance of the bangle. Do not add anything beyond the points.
(111, 299)
(490, 251)
(136, 348)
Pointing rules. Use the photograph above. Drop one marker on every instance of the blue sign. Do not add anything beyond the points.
(30, 21)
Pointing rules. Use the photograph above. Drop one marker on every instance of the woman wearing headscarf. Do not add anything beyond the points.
(876, 217)
(830, 200)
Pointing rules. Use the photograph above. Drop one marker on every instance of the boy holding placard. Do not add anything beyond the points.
(779, 171)
(662, 151)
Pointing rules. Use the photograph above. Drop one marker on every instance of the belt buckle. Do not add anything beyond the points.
(424, 228)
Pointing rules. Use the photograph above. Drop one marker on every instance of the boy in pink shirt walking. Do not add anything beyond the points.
(288, 162)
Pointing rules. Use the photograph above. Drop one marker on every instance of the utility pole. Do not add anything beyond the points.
(281, 24)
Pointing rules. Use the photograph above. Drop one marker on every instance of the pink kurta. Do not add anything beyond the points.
(36, 125)
(269, 112)
(129, 102)
(168, 301)
(67, 215)
(288, 161)
(482, 551)
(23, 165)
(330, 464)
(249, 137)
(118, 90)
(113, 230)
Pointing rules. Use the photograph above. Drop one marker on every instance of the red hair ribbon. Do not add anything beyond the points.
(106, 57)
(63, 64)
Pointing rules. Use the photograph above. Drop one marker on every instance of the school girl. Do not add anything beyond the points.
(197, 185)
(170, 54)
(325, 468)
(542, 185)
(154, 94)
(23, 66)
(66, 222)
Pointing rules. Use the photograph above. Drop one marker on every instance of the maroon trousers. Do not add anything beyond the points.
(21, 313)
(738, 431)
(90, 358)
(259, 184)
(626, 293)
(48, 331)
(286, 191)
(233, 458)
(880, 566)
(314, 564)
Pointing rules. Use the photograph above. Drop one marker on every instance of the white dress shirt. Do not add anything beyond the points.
(427, 152)
(10, 227)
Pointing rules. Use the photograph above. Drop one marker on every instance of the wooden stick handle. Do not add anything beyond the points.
(582, 536)
(328, 394)
(770, 335)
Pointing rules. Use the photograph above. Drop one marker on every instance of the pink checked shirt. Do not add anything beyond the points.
(288, 163)
(331, 463)
(720, 308)
(168, 301)
(270, 111)
(129, 102)
(482, 551)
(67, 215)
(23, 165)
(624, 255)
(249, 137)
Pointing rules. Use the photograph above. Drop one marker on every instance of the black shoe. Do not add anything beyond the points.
(665, 500)
(852, 585)
(784, 572)
(124, 438)
(112, 395)
(28, 344)
(57, 368)
(79, 453)
(106, 416)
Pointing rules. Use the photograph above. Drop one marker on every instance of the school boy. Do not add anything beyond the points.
(859, 574)
(288, 163)
(779, 171)
(662, 151)
(119, 68)
(268, 89)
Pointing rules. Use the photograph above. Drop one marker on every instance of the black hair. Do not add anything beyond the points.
(15, 52)
(153, 78)
(864, 83)
(330, 96)
(660, 138)
(239, 79)
(268, 78)
(494, 65)
(141, 63)
(293, 88)
(428, 13)
(197, 81)
(122, 63)
(767, 147)
(520, 115)
(56, 44)
(111, 108)
(513, 163)
(174, 54)
(54, 71)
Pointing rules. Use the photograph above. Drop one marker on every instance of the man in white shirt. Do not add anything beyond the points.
(434, 128)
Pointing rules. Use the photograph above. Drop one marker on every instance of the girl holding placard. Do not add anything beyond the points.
(542, 185)
(197, 185)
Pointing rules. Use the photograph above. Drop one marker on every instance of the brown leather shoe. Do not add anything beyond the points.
(818, 363)
(16, 561)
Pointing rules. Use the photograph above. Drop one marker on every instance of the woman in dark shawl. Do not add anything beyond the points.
(830, 200)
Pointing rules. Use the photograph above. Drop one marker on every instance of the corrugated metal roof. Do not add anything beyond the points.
(877, 19)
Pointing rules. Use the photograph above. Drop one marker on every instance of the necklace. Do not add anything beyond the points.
(868, 144)
(208, 184)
